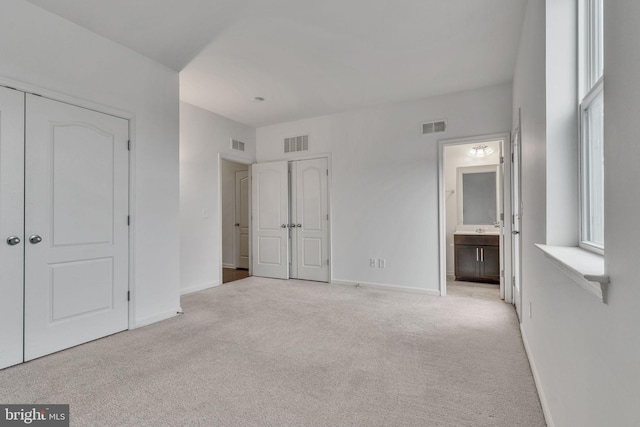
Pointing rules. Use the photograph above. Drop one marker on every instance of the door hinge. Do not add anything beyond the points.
(327, 262)
(128, 295)
(128, 220)
(327, 217)
(502, 216)
(327, 172)
(129, 145)
(501, 273)
(512, 158)
(501, 159)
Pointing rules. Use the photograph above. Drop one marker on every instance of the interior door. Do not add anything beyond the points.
(242, 219)
(312, 219)
(516, 209)
(270, 211)
(76, 226)
(11, 225)
(505, 293)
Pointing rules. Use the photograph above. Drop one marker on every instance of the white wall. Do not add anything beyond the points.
(456, 156)
(585, 354)
(203, 135)
(41, 49)
(561, 121)
(228, 171)
(384, 173)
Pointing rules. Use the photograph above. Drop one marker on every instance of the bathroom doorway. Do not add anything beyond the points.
(472, 211)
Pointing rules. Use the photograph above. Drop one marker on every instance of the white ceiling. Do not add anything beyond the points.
(311, 57)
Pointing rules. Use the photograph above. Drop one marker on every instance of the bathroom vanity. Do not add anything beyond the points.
(477, 257)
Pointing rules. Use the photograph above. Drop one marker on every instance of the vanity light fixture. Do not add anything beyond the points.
(481, 150)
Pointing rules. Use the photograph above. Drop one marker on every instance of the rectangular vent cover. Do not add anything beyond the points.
(237, 145)
(296, 143)
(434, 127)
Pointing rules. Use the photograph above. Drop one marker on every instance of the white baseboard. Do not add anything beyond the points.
(387, 287)
(227, 265)
(157, 318)
(536, 378)
(200, 287)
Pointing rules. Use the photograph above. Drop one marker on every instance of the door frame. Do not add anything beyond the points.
(505, 202)
(116, 112)
(516, 258)
(231, 158)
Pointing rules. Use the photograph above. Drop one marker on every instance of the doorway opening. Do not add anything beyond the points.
(473, 196)
(235, 219)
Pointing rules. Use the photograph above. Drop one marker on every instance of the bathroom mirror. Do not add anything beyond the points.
(477, 188)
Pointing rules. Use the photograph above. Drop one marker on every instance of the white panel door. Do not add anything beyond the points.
(270, 210)
(76, 207)
(242, 219)
(11, 225)
(311, 219)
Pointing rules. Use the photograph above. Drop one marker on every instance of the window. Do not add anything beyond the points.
(591, 126)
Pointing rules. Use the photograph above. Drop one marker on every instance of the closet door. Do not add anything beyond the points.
(311, 219)
(76, 232)
(11, 225)
(270, 211)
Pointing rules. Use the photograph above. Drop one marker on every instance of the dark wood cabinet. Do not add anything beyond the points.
(477, 257)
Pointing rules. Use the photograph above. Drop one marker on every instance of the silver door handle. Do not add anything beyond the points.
(13, 240)
(299, 225)
(284, 226)
(237, 224)
(477, 257)
(515, 232)
(481, 254)
(35, 239)
(292, 225)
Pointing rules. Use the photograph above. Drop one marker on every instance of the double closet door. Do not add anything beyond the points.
(290, 213)
(63, 226)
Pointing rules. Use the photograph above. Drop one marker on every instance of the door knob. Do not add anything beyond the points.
(514, 232)
(299, 225)
(35, 239)
(13, 240)
(284, 226)
(237, 224)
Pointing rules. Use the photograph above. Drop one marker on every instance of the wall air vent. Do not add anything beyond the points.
(296, 143)
(237, 145)
(434, 127)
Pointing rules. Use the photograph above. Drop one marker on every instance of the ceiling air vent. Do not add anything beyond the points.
(296, 143)
(434, 127)
(237, 145)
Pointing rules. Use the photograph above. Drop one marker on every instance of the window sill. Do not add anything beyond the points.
(583, 267)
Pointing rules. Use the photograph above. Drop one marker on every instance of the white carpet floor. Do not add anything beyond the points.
(263, 352)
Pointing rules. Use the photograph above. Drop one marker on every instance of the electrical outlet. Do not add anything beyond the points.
(372, 262)
(382, 263)
(529, 309)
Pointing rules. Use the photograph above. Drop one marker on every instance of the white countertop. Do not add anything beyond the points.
(475, 233)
